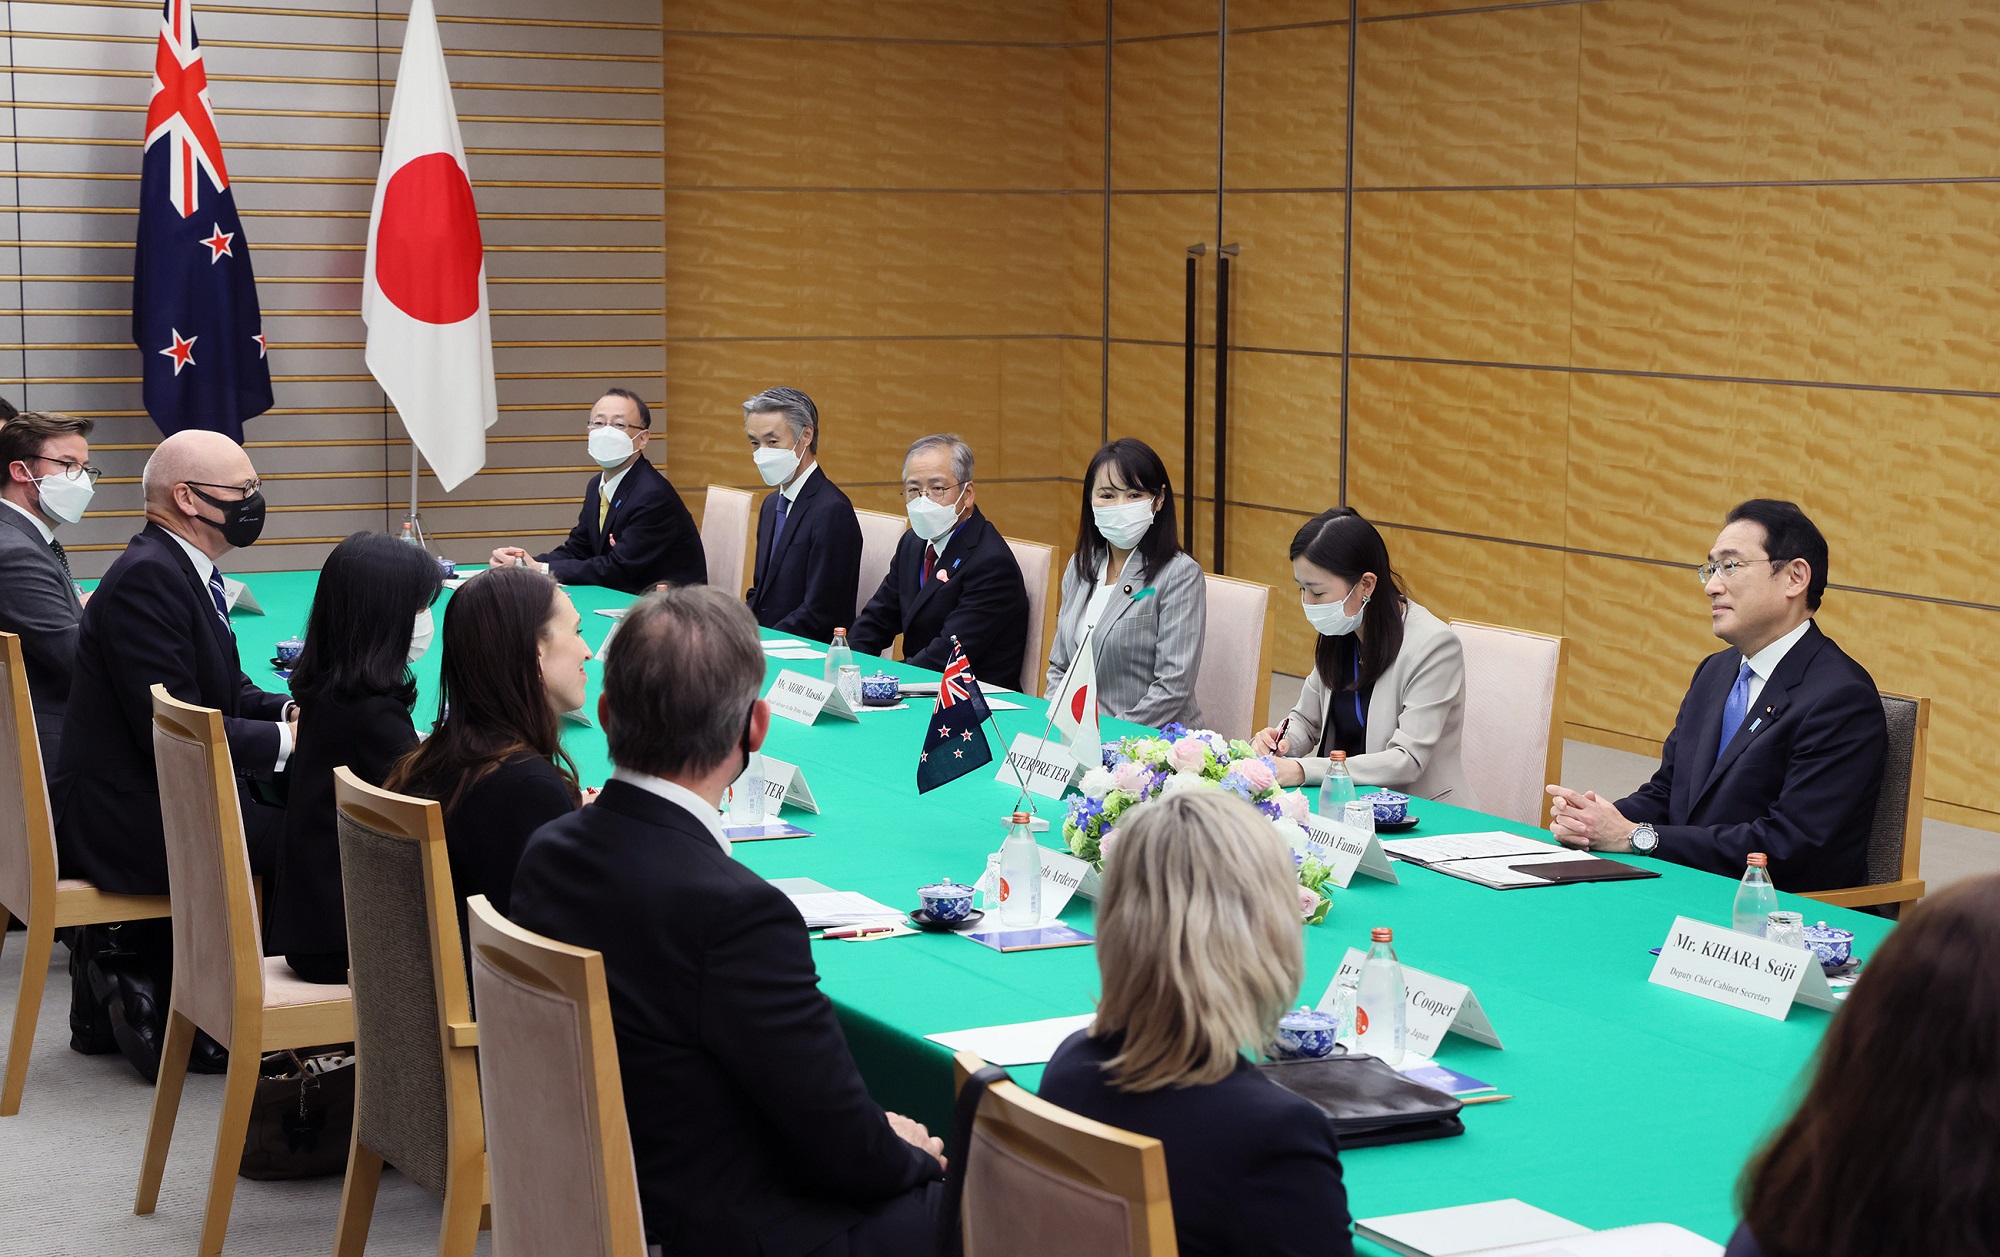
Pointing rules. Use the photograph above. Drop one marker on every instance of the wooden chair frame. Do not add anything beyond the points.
(576, 974)
(47, 902)
(421, 821)
(1558, 707)
(254, 1028)
(1063, 1143)
(1909, 886)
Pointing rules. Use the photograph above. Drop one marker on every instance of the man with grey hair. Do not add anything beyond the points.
(808, 564)
(953, 575)
(752, 1130)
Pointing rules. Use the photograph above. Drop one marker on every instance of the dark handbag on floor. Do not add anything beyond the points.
(1369, 1103)
(302, 1120)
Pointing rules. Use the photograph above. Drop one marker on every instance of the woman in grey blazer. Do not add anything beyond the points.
(1388, 679)
(1147, 648)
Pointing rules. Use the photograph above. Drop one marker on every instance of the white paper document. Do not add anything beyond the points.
(798, 652)
(998, 704)
(841, 907)
(1651, 1239)
(1022, 1043)
(1503, 870)
(1466, 1229)
(864, 709)
(1442, 847)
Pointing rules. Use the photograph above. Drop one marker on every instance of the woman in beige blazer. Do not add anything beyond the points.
(1388, 679)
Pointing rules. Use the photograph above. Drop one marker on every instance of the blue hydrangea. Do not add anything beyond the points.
(1174, 732)
(1236, 786)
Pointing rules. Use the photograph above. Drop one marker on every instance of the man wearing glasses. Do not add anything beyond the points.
(634, 532)
(952, 576)
(46, 481)
(1780, 742)
(160, 616)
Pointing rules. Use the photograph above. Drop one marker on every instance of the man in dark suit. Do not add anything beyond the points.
(160, 617)
(633, 532)
(46, 481)
(1780, 742)
(753, 1132)
(808, 540)
(953, 575)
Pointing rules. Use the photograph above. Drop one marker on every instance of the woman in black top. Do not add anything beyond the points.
(513, 661)
(370, 619)
(1199, 952)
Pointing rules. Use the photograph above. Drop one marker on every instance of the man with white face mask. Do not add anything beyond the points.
(953, 575)
(633, 532)
(48, 482)
(808, 562)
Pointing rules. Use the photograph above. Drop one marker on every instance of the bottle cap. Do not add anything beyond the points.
(839, 631)
(1338, 757)
(1020, 818)
(1382, 934)
(1759, 860)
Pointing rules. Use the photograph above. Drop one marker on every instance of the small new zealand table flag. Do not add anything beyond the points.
(954, 742)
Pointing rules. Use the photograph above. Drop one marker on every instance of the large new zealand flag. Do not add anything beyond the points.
(194, 299)
(954, 742)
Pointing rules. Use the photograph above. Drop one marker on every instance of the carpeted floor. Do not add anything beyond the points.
(69, 1162)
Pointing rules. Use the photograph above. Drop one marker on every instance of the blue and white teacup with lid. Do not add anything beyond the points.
(1305, 1034)
(946, 900)
(1831, 945)
(881, 690)
(1391, 808)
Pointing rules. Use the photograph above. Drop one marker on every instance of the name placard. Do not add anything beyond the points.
(1046, 768)
(796, 696)
(1740, 970)
(1436, 1006)
(1062, 875)
(1347, 850)
(786, 783)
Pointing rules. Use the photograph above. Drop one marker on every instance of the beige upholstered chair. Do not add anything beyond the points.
(1512, 745)
(223, 983)
(563, 1177)
(1896, 839)
(1233, 682)
(1038, 574)
(1042, 1182)
(417, 1092)
(29, 887)
(725, 537)
(879, 534)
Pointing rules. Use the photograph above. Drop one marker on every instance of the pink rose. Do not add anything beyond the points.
(1256, 774)
(1104, 842)
(1308, 903)
(1130, 778)
(1188, 755)
(1293, 805)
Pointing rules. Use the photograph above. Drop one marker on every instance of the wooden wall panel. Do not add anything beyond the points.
(1477, 275)
(1150, 236)
(1284, 424)
(1152, 19)
(1163, 112)
(1287, 105)
(1880, 285)
(1285, 284)
(875, 20)
(1471, 99)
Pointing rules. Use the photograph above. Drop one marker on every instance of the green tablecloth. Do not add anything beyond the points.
(1631, 1103)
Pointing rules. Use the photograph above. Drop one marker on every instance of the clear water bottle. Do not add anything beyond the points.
(839, 655)
(746, 799)
(1756, 898)
(408, 535)
(989, 885)
(1020, 876)
(1337, 790)
(1381, 1015)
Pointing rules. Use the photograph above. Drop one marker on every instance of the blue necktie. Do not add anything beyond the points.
(1733, 709)
(778, 527)
(221, 596)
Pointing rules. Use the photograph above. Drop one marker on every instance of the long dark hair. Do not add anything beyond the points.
(492, 705)
(1134, 464)
(358, 633)
(1341, 542)
(1895, 1149)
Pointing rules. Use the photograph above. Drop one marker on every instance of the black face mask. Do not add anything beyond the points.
(242, 521)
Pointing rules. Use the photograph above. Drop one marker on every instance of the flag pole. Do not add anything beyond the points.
(414, 521)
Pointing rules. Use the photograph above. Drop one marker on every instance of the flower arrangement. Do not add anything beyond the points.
(1141, 768)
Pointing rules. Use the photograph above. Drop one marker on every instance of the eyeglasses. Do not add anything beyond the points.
(246, 488)
(627, 428)
(1728, 568)
(942, 494)
(72, 470)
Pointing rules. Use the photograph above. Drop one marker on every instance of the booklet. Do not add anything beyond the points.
(758, 833)
(1030, 938)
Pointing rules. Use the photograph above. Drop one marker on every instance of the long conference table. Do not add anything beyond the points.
(1631, 1103)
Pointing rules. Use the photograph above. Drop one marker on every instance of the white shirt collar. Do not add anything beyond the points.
(791, 491)
(1766, 661)
(48, 533)
(679, 795)
(203, 565)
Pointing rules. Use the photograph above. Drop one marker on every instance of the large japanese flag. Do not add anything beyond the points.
(1073, 708)
(423, 293)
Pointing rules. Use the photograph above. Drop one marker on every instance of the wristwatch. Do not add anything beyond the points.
(1645, 839)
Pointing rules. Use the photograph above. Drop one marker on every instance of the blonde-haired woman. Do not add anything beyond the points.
(1199, 952)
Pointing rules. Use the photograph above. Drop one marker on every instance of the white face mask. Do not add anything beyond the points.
(774, 464)
(64, 498)
(1125, 524)
(931, 520)
(609, 447)
(1331, 618)
(421, 634)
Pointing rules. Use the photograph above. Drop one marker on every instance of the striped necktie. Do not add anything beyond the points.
(220, 595)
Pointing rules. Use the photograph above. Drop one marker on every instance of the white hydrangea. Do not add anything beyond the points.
(1097, 783)
(1177, 782)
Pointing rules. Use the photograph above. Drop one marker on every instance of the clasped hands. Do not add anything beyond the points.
(515, 556)
(1580, 819)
